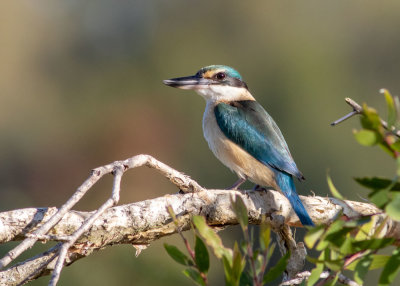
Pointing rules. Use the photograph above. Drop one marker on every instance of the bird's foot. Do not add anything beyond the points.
(237, 184)
(259, 188)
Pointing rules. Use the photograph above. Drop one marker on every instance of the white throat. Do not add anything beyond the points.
(225, 93)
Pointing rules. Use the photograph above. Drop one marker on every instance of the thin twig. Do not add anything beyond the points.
(95, 175)
(358, 109)
(264, 264)
(347, 116)
(185, 241)
(251, 256)
(112, 201)
(182, 181)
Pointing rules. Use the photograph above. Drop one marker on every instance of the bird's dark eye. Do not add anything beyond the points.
(220, 75)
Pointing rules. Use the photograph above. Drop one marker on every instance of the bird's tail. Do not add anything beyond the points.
(286, 184)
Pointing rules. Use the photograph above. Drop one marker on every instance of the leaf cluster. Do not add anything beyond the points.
(242, 264)
(350, 245)
(356, 245)
(384, 192)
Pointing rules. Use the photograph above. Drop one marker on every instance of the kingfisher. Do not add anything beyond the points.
(242, 135)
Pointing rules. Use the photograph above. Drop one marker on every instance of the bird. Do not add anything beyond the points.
(242, 135)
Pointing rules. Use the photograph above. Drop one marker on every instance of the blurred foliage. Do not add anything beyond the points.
(234, 260)
(355, 244)
(81, 87)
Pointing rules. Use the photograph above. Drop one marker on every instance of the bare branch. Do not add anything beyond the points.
(358, 109)
(182, 181)
(112, 201)
(143, 222)
(140, 223)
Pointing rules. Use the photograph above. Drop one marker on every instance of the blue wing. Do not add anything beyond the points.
(248, 124)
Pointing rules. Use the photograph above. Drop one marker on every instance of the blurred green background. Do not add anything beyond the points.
(81, 86)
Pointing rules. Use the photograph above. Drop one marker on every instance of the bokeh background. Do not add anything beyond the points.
(81, 86)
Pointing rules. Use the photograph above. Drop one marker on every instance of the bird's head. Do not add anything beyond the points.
(215, 83)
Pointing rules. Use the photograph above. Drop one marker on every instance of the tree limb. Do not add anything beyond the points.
(140, 223)
(143, 222)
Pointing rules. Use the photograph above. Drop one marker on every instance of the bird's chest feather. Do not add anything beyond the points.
(232, 155)
(217, 141)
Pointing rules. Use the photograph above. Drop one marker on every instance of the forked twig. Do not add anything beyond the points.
(358, 109)
(118, 168)
(112, 201)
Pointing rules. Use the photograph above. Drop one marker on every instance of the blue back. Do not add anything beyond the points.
(248, 124)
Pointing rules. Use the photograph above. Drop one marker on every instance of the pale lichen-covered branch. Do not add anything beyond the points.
(140, 223)
(143, 222)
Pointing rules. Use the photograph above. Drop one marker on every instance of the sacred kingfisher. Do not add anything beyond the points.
(242, 135)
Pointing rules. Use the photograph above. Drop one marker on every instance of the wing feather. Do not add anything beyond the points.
(248, 124)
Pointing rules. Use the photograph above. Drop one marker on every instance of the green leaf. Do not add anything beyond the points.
(371, 119)
(194, 275)
(365, 230)
(380, 198)
(373, 243)
(391, 108)
(177, 255)
(211, 238)
(271, 251)
(276, 270)
(386, 147)
(227, 270)
(330, 259)
(258, 261)
(367, 137)
(240, 210)
(333, 189)
(356, 223)
(313, 235)
(238, 264)
(334, 227)
(338, 237)
(333, 281)
(361, 269)
(347, 246)
(265, 235)
(391, 269)
(172, 214)
(201, 255)
(315, 274)
(393, 207)
(334, 265)
(395, 146)
(378, 261)
(378, 183)
(245, 279)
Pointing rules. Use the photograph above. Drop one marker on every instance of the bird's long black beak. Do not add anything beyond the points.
(187, 82)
